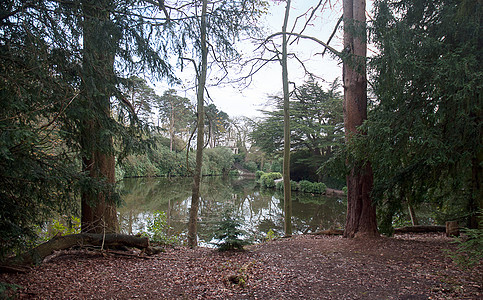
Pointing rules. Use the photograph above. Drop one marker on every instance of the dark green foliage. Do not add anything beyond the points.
(250, 166)
(37, 174)
(469, 252)
(50, 83)
(305, 186)
(228, 233)
(234, 173)
(424, 134)
(312, 187)
(267, 181)
(258, 174)
(218, 161)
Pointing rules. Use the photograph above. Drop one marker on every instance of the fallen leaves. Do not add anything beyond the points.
(303, 267)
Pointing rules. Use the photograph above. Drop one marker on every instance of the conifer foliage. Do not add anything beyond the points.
(425, 133)
(62, 106)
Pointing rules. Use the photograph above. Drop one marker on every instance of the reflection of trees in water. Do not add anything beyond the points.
(143, 196)
(261, 209)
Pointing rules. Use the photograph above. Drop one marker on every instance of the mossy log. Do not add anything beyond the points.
(420, 229)
(37, 254)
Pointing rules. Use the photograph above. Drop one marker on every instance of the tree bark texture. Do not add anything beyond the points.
(98, 212)
(195, 196)
(287, 204)
(452, 229)
(361, 213)
(412, 214)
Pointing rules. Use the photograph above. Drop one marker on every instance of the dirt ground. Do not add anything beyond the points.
(302, 267)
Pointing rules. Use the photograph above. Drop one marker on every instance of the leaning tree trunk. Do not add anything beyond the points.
(287, 203)
(98, 213)
(361, 213)
(195, 196)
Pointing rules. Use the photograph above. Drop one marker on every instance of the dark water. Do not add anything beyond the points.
(261, 209)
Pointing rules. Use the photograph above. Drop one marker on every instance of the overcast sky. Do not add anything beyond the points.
(236, 101)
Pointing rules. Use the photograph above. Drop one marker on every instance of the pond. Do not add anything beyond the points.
(260, 209)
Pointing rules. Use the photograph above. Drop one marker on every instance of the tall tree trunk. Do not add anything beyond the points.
(171, 125)
(361, 213)
(287, 203)
(195, 196)
(98, 211)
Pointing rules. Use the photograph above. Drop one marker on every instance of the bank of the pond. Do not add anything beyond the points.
(302, 267)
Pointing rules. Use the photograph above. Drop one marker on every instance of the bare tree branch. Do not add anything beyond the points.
(333, 33)
(335, 52)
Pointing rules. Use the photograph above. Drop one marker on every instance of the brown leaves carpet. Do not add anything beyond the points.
(302, 267)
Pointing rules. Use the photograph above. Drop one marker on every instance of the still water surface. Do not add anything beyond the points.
(261, 209)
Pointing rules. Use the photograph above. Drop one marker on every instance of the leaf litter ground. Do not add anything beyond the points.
(409, 266)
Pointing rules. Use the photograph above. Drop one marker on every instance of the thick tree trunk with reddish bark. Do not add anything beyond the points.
(99, 215)
(98, 212)
(361, 213)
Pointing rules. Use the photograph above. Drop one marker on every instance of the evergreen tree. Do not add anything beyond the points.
(60, 67)
(425, 133)
(317, 128)
(176, 113)
(38, 175)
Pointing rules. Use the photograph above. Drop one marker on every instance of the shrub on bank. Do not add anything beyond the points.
(293, 185)
(312, 187)
(164, 162)
(268, 179)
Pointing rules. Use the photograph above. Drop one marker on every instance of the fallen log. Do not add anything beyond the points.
(420, 229)
(37, 254)
(334, 192)
(329, 232)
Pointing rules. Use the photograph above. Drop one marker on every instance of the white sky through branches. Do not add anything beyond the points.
(238, 100)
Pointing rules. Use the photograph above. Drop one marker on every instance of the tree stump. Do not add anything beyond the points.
(452, 229)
